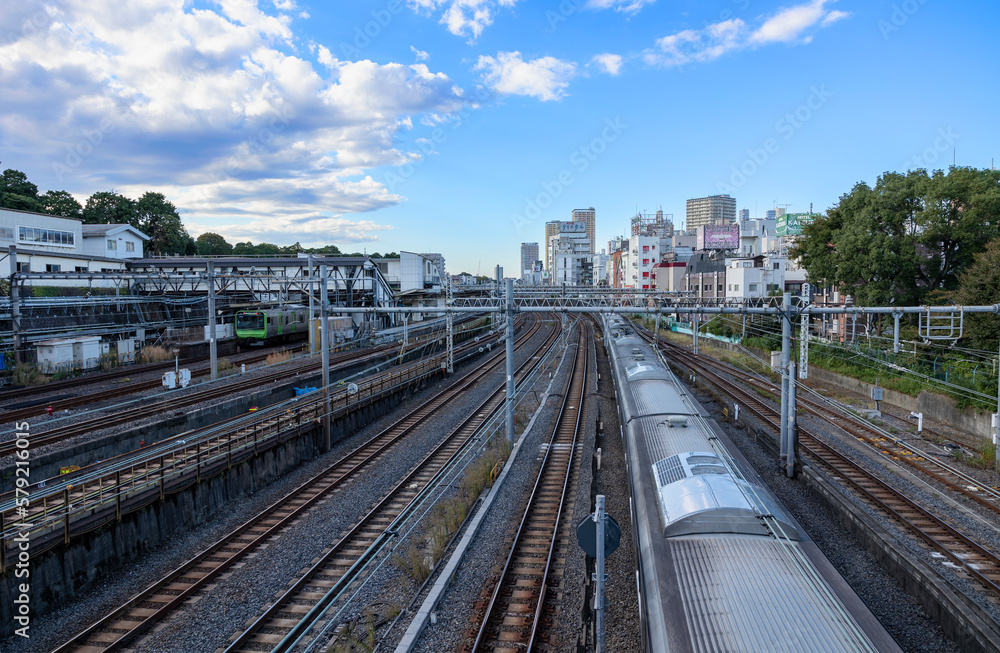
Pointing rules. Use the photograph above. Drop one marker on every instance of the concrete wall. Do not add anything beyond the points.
(932, 405)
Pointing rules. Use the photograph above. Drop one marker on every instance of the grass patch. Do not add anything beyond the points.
(153, 354)
(25, 374)
(227, 368)
(420, 558)
(278, 357)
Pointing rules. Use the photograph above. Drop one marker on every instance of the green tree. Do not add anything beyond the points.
(111, 207)
(908, 236)
(16, 192)
(244, 249)
(159, 220)
(212, 244)
(979, 285)
(59, 202)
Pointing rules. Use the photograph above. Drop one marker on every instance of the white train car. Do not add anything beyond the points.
(722, 566)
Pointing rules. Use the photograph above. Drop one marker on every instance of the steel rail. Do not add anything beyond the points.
(393, 508)
(971, 556)
(219, 557)
(554, 468)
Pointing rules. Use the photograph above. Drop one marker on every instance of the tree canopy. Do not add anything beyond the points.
(908, 236)
(152, 214)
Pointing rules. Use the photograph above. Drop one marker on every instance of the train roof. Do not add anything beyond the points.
(746, 593)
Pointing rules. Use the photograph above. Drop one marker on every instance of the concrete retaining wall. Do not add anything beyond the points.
(932, 405)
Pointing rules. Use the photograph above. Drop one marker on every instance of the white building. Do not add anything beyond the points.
(758, 237)
(118, 241)
(420, 271)
(570, 255)
(600, 268)
(638, 259)
(757, 276)
(48, 243)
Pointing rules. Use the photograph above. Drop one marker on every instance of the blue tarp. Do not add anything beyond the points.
(302, 391)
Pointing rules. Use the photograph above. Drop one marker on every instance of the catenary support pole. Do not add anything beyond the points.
(694, 330)
(324, 340)
(15, 304)
(786, 348)
(599, 577)
(450, 339)
(793, 445)
(213, 350)
(311, 291)
(895, 332)
(509, 299)
(804, 345)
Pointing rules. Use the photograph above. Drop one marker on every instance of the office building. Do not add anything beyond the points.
(714, 210)
(589, 218)
(529, 254)
(551, 229)
(744, 215)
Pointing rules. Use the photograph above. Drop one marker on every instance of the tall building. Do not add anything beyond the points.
(717, 209)
(551, 229)
(588, 217)
(744, 215)
(529, 254)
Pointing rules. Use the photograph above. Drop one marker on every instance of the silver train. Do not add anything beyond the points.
(722, 566)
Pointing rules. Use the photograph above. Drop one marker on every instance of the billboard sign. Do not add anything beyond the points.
(719, 236)
(791, 224)
(572, 227)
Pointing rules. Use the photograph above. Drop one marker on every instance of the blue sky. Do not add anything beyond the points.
(461, 126)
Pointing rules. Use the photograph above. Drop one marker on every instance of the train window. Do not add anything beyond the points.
(249, 321)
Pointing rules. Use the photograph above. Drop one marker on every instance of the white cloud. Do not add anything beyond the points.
(795, 24)
(420, 54)
(609, 63)
(623, 6)
(214, 108)
(508, 74)
(463, 17)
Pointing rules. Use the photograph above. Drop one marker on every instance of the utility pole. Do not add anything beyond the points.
(694, 329)
(786, 347)
(213, 351)
(449, 318)
(793, 432)
(325, 354)
(804, 335)
(15, 303)
(312, 308)
(510, 360)
(599, 577)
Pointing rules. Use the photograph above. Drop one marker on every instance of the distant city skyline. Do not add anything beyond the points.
(463, 128)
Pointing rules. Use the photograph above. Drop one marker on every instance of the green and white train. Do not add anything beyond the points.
(259, 326)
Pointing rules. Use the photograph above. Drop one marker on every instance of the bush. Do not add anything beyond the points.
(278, 357)
(153, 354)
(25, 374)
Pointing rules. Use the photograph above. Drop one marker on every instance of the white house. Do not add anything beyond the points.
(118, 241)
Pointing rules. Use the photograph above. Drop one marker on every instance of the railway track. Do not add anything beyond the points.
(291, 617)
(124, 625)
(162, 404)
(967, 556)
(18, 414)
(516, 614)
(892, 447)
